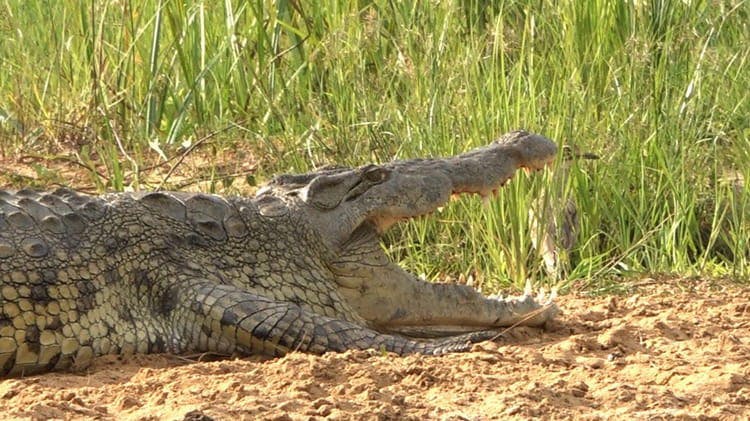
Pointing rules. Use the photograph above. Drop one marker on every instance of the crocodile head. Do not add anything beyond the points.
(341, 202)
(349, 209)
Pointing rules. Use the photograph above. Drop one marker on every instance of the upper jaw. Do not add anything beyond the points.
(427, 184)
(341, 200)
(384, 221)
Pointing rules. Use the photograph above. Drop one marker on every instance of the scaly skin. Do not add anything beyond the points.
(298, 267)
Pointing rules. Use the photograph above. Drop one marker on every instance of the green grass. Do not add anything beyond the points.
(659, 89)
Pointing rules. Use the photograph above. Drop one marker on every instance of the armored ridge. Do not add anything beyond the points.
(298, 267)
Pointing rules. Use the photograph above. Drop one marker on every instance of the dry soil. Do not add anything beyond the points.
(671, 349)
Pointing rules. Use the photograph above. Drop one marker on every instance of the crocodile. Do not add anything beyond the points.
(297, 267)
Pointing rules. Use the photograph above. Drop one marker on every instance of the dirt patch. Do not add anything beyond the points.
(205, 168)
(672, 349)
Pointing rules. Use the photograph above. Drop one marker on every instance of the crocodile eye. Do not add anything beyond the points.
(376, 174)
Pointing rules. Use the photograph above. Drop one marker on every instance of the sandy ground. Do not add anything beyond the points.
(672, 349)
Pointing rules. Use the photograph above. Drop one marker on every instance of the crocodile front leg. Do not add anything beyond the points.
(225, 319)
(397, 301)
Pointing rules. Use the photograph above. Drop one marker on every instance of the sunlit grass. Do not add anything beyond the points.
(658, 89)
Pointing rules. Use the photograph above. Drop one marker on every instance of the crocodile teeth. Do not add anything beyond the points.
(552, 295)
(486, 196)
(540, 295)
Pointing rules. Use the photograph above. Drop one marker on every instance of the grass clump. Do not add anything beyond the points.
(122, 89)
